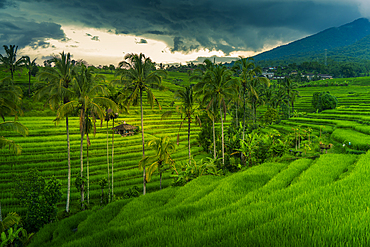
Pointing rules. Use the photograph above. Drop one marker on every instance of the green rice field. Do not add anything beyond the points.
(320, 201)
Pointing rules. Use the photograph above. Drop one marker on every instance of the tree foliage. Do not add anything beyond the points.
(324, 101)
(39, 197)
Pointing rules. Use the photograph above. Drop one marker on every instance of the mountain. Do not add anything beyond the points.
(350, 39)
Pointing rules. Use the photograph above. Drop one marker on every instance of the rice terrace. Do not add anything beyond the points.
(269, 150)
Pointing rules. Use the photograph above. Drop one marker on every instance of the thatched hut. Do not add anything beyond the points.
(125, 129)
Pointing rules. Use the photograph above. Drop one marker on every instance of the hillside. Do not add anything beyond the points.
(334, 39)
(314, 203)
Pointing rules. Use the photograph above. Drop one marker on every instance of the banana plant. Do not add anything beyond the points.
(248, 147)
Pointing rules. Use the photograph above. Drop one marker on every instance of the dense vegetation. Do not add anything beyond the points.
(255, 157)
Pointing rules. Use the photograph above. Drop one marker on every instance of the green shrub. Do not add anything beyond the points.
(39, 197)
(324, 101)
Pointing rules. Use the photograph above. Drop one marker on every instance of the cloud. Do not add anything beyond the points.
(189, 25)
(7, 3)
(22, 32)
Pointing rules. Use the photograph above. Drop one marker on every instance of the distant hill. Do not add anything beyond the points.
(349, 40)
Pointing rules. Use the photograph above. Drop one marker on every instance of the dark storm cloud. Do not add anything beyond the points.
(7, 3)
(21, 32)
(218, 24)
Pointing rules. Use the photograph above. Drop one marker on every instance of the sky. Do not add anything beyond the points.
(168, 31)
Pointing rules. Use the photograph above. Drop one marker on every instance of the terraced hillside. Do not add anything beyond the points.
(348, 124)
(304, 203)
(46, 149)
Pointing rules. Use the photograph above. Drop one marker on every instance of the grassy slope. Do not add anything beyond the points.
(45, 148)
(307, 202)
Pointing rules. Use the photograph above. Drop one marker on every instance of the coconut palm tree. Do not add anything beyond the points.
(10, 60)
(211, 112)
(85, 91)
(26, 60)
(188, 109)
(138, 75)
(291, 92)
(10, 98)
(217, 86)
(56, 92)
(250, 81)
(118, 98)
(163, 148)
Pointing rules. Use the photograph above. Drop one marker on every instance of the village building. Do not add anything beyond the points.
(125, 129)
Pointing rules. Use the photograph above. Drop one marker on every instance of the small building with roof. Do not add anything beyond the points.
(125, 129)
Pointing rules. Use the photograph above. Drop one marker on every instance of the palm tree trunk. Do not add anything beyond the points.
(29, 83)
(189, 140)
(236, 111)
(87, 171)
(160, 180)
(112, 158)
(69, 167)
(81, 156)
(222, 137)
(108, 162)
(242, 158)
(11, 71)
(214, 138)
(142, 137)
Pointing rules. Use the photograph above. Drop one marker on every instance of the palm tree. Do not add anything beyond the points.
(10, 60)
(163, 148)
(187, 110)
(217, 86)
(10, 97)
(88, 128)
(250, 81)
(116, 97)
(137, 74)
(56, 92)
(29, 65)
(16, 127)
(85, 90)
(291, 92)
(199, 75)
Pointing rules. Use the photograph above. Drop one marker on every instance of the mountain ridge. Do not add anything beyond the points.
(334, 39)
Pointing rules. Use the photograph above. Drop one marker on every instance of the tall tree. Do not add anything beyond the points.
(218, 86)
(137, 73)
(118, 98)
(26, 60)
(188, 109)
(163, 148)
(10, 98)
(10, 60)
(291, 92)
(87, 100)
(198, 75)
(250, 81)
(56, 93)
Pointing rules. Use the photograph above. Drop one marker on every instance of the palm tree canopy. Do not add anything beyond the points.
(10, 60)
(163, 148)
(87, 95)
(217, 85)
(10, 98)
(138, 74)
(57, 80)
